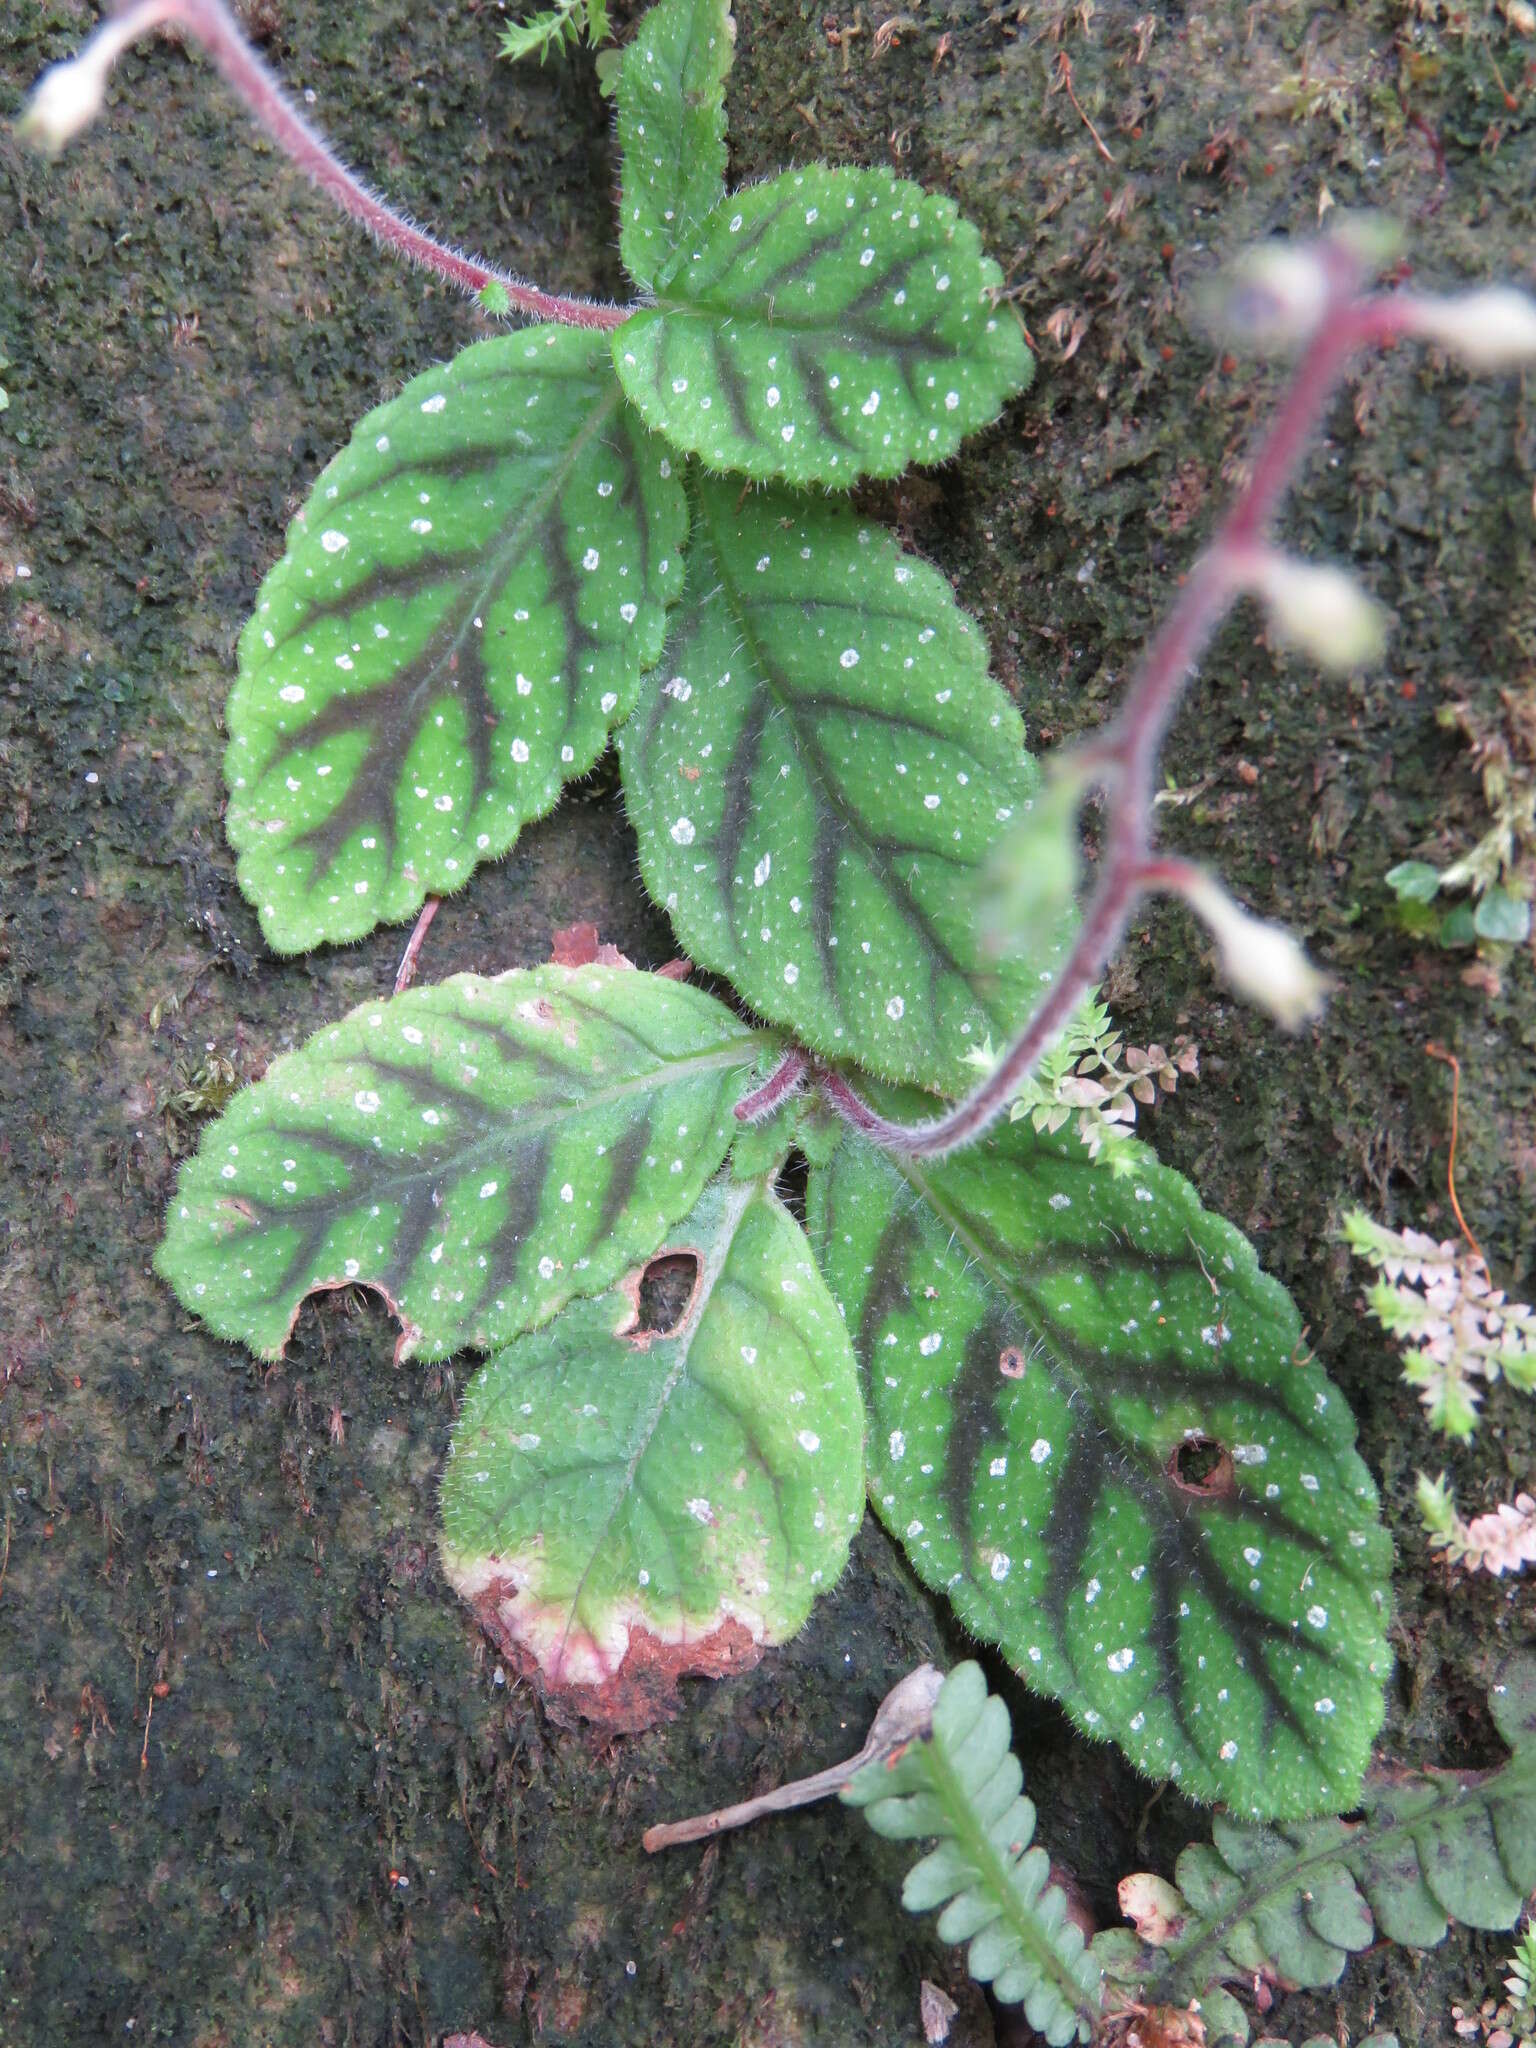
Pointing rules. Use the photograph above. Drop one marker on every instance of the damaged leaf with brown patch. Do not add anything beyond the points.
(630, 1499)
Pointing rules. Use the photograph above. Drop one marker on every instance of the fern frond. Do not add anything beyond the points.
(1292, 1902)
(553, 27)
(964, 1784)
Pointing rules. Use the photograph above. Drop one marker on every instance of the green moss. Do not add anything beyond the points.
(330, 1717)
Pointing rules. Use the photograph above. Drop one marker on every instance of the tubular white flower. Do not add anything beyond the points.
(1492, 329)
(1317, 608)
(1274, 296)
(64, 100)
(1264, 962)
(69, 96)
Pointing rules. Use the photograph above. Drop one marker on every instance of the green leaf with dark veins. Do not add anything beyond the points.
(671, 129)
(1094, 1427)
(624, 1504)
(479, 1153)
(464, 611)
(820, 784)
(823, 326)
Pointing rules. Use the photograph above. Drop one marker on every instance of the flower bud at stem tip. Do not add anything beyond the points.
(1316, 608)
(1264, 962)
(1493, 329)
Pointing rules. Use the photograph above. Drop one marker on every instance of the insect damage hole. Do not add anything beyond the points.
(665, 1295)
(1202, 1467)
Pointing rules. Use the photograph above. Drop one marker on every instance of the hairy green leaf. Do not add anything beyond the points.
(819, 785)
(464, 611)
(1295, 1902)
(480, 1153)
(826, 325)
(671, 129)
(1093, 1428)
(623, 1504)
(963, 1783)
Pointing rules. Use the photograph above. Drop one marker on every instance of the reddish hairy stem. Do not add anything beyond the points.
(779, 1086)
(1124, 759)
(210, 24)
(1166, 872)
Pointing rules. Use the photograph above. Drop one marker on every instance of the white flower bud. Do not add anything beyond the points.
(1318, 609)
(67, 98)
(1492, 329)
(1276, 295)
(1263, 962)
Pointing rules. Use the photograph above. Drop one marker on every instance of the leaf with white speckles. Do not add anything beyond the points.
(826, 325)
(624, 1505)
(464, 612)
(819, 784)
(1093, 1428)
(671, 129)
(480, 1153)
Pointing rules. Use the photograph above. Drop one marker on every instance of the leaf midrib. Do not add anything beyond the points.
(498, 565)
(811, 757)
(984, 1254)
(734, 1208)
(922, 342)
(541, 1117)
(1079, 1386)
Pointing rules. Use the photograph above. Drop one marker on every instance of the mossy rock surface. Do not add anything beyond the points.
(335, 1824)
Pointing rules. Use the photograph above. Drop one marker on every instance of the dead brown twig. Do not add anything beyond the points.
(1064, 83)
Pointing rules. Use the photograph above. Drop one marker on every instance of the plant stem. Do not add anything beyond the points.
(210, 24)
(1124, 759)
(405, 973)
(786, 1077)
(904, 1715)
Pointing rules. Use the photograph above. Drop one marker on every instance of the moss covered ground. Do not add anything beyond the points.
(259, 1783)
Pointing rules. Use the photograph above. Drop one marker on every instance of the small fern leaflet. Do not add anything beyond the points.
(1291, 1903)
(964, 1784)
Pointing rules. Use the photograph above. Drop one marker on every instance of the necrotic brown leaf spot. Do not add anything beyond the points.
(1202, 1467)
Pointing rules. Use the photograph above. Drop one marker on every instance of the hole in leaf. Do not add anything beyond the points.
(667, 1288)
(1202, 1467)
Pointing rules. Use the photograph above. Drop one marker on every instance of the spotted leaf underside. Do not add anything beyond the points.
(671, 130)
(621, 1507)
(820, 780)
(1294, 1903)
(480, 1153)
(826, 325)
(1093, 1427)
(464, 611)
